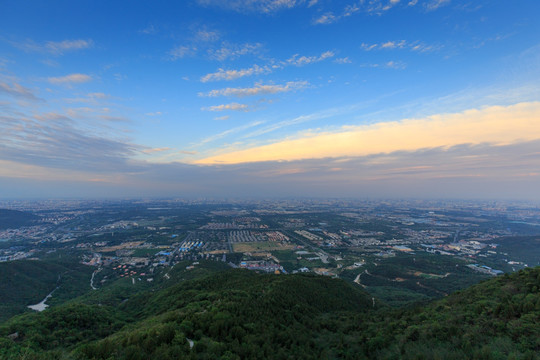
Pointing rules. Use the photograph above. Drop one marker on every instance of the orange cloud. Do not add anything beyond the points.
(498, 125)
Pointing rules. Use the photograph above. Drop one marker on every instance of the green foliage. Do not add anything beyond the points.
(26, 282)
(208, 313)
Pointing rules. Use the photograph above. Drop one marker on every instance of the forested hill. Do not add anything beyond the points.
(496, 319)
(12, 219)
(26, 282)
(236, 314)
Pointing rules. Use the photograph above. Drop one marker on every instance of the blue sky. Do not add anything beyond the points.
(421, 98)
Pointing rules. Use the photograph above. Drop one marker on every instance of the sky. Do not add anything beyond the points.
(270, 98)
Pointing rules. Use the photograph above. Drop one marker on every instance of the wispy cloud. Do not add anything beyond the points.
(207, 35)
(297, 120)
(182, 51)
(230, 51)
(260, 6)
(68, 45)
(398, 65)
(344, 60)
(3, 63)
(90, 98)
(326, 18)
(435, 4)
(258, 89)
(399, 44)
(298, 60)
(16, 89)
(155, 150)
(70, 79)
(201, 44)
(200, 40)
(370, 7)
(55, 47)
(226, 107)
(153, 114)
(230, 132)
(222, 74)
(494, 125)
(98, 95)
(330, 17)
(55, 140)
(393, 44)
(395, 64)
(295, 60)
(474, 171)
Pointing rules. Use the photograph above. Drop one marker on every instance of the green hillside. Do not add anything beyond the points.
(496, 319)
(237, 314)
(27, 282)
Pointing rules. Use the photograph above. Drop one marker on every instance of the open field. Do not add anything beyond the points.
(260, 246)
(145, 252)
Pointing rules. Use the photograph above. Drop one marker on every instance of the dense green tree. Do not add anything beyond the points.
(236, 314)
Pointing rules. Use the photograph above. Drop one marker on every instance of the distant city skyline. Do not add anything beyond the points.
(270, 98)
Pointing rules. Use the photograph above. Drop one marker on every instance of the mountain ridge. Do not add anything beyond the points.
(237, 314)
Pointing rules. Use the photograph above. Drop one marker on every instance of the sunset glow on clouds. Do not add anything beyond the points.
(494, 125)
(266, 98)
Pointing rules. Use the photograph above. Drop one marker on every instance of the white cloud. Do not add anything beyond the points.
(400, 65)
(55, 47)
(368, 47)
(435, 4)
(230, 51)
(327, 18)
(90, 98)
(18, 90)
(350, 9)
(222, 118)
(393, 44)
(226, 107)
(304, 60)
(207, 35)
(367, 6)
(399, 44)
(344, 60)
(222, 74)
(395, 65)
(98, 95)
(70, 79)
(295, 60)
(261, 6)
(258, 89)
(423, 48)
(67, 45)
(331, 17)
(181, 52)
